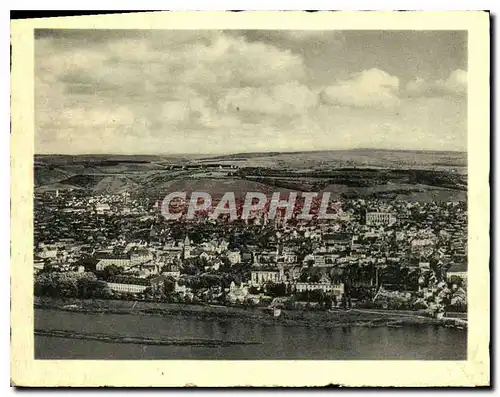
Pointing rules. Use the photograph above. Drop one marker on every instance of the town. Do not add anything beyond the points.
(373, 254)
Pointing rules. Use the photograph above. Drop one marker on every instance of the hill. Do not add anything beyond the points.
(385, 174)
(331, 159)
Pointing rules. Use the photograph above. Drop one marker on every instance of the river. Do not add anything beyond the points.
(274, 342)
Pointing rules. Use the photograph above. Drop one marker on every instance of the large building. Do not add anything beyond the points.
(105, 260)
(262, 276)
(335, 289)
(129, 288)
(379, 218)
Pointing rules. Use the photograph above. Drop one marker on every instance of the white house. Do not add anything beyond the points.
(234, 257)
(457, 270)
(102, 208)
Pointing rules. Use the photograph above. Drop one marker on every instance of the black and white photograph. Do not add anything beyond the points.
(252, 194)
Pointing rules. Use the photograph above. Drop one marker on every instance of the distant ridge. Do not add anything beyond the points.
(256, 153)
(275, 153)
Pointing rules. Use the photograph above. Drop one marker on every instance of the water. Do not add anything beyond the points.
(277, 341)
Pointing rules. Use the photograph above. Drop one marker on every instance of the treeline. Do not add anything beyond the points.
(107, 163)
(339, 172)
(355, 177)
(438, 178)
(309, 186)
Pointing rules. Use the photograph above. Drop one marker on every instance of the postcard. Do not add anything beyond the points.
(251, 199)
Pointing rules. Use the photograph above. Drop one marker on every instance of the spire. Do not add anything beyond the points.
(187, 248)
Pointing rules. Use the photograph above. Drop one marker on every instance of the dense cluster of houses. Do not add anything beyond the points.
(121, 232)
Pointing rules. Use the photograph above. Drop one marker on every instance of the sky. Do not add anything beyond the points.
(207, 91)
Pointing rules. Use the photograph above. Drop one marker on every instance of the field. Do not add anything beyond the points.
(324, 160)
(409, 175)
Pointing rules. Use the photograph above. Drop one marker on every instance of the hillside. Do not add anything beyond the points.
(347, 158)
(411, 175)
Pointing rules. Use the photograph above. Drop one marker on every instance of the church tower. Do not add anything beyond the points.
(187, 247)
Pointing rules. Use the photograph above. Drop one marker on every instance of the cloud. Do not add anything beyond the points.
(454, 85)
(218, 91)
(311, 35)
(173, 80)
(300, 36)
(369, 88)
(231, 61)
(284, 99)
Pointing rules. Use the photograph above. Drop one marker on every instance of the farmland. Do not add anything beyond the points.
(411, 175)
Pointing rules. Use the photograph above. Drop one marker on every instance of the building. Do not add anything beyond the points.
(140, 256)
(327, 287)
(267, 256)
(187, 248)
(379, 218)
(422, 246)
(174, 274)
(158, 282)
(323, 259)
(262, 276)
(240, 294)
(102, 208)
(336, 242)
(144, 270)
(457, 270)
(129, 288)
(287, 255)
(38, 265)
(172, 250)
(234, 257)
(120, 261)
(48, 253)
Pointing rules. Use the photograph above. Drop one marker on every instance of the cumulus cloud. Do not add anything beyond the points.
(211, 91)
(284, 99)
(454, 85)
(369, 88)
(189, 84)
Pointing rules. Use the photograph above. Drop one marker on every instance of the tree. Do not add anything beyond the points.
(317, 295)
(71, 285)
(253, 290)
(111, 271)
(169, 285)
(190, 270)
(276, 289)
(148, 293)
(88, 262)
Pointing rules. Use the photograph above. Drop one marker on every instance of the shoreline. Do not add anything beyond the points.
(296, 318)
(142, 340)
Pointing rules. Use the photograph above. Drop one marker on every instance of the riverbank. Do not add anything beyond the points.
(143, 340)
(302, 318)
